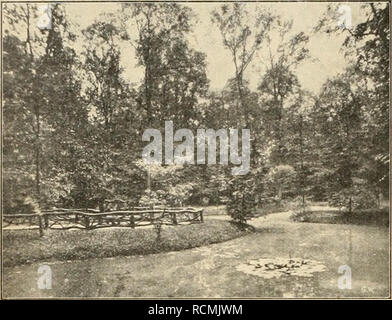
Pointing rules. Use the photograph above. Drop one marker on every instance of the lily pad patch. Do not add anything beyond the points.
(269, 268)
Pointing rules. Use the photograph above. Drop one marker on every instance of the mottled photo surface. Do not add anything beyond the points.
(195, 150)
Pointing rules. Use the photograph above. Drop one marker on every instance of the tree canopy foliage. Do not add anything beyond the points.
(73, 123)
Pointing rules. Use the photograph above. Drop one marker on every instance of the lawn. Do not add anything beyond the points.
(214, 270)
(220, 210)
(25, 246)
(378, 217)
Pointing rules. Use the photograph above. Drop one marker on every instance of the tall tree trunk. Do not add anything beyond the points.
(302, 163)
(38, 157)
(148, 179)
(37, 115)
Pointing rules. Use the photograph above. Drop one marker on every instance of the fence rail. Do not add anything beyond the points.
(89, 219)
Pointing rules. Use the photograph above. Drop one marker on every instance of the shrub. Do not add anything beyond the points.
(177, 195)
(357, 197)
(297, 205)
(280, 178)
(242, 201)
(152, 198)
(23, 205)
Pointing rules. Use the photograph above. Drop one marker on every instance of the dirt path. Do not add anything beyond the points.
(211, 271)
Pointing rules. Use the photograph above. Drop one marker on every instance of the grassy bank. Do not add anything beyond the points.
(378, 217)
(259, 211)
(25, 246)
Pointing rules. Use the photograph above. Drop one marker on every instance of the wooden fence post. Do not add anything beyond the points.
(201, 216)
(87, 222)
(132, 221)
(41, 231)
(174, 218)
(46, 219)
(151, 213)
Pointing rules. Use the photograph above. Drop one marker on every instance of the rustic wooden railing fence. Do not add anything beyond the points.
(89, 219)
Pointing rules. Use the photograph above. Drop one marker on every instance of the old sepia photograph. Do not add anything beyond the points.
(195, 150)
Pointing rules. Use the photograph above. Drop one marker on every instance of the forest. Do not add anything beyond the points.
(73, 122)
